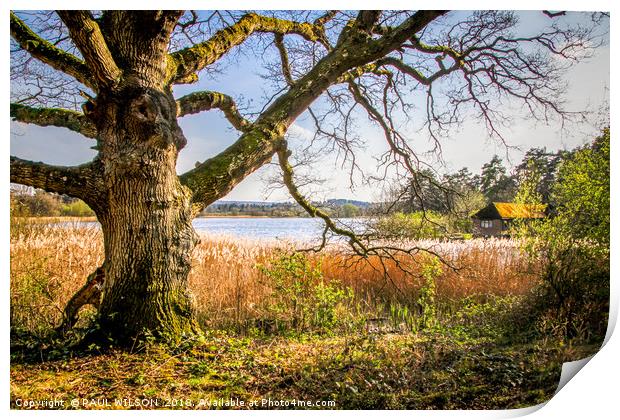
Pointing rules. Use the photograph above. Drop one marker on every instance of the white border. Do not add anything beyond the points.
(594, 391)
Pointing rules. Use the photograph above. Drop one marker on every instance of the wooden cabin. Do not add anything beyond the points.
(495, 219)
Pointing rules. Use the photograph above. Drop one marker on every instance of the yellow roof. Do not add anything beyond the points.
(520, 211)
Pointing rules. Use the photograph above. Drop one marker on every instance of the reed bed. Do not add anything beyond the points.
(48, 264)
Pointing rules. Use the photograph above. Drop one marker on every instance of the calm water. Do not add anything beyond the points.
(289, 228)
(286, 228)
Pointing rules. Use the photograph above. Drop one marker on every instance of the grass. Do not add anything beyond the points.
(392, 371)
(281, 326)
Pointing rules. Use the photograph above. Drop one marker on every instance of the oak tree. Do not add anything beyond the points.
(122, 66)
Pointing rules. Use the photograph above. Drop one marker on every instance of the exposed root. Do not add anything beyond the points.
(90, 293)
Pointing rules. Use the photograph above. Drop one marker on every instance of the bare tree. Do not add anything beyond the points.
(123, 65)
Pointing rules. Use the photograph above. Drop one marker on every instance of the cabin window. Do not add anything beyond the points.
(486, 224)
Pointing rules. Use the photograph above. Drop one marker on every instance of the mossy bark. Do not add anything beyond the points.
(146, 221)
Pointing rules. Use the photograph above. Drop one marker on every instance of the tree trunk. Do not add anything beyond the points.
(146, 219)
(148, 249)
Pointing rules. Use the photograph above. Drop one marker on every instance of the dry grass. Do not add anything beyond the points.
(48, 264)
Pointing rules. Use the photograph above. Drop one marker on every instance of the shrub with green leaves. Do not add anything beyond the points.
(302, 299)
(431, 270)
(418, 225)
(570, 249)
(76, 208)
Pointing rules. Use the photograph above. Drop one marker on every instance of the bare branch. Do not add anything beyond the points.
(286, 67)
(416, 74)
(287, 173)
(87, 36)
(217, 176)
(74, 121)
(402, 153)
(385, 126)
(46, 52)
(360, 243)
(204, 101)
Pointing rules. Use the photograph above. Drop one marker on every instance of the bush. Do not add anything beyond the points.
(574, 292)
(418, 225)
(39, 204)
(570, 250)
(76, 208)
(426, 299)
(301, 299)
(43, 204)
(494, 317)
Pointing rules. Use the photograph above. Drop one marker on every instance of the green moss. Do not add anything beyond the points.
(47, 52)
(57, 117)
(201, 55)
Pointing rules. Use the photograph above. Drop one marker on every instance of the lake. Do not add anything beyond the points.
(285, 228)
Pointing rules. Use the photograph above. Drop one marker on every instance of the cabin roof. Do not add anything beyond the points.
(511, 211)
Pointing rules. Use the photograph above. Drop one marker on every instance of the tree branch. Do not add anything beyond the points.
(204, 101)
(360, 243)
(82, 181)
(217, 176)
(553, 14)
(184, 63)
(435, 49)
(287, 175)
(416, 74)
(284, 61)
(374, 68)
(57, 117)
(403, 154)
(329, 15)
(47, 53)
(87, 36)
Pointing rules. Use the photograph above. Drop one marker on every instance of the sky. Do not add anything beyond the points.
(208, 132)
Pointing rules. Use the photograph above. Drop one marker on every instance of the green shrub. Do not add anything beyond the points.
(494, 317)
(77, 208)
(418, 225)
(570, 249)
(301, 299)
(431, 270)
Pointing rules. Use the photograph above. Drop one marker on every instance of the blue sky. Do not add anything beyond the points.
(209, 133)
